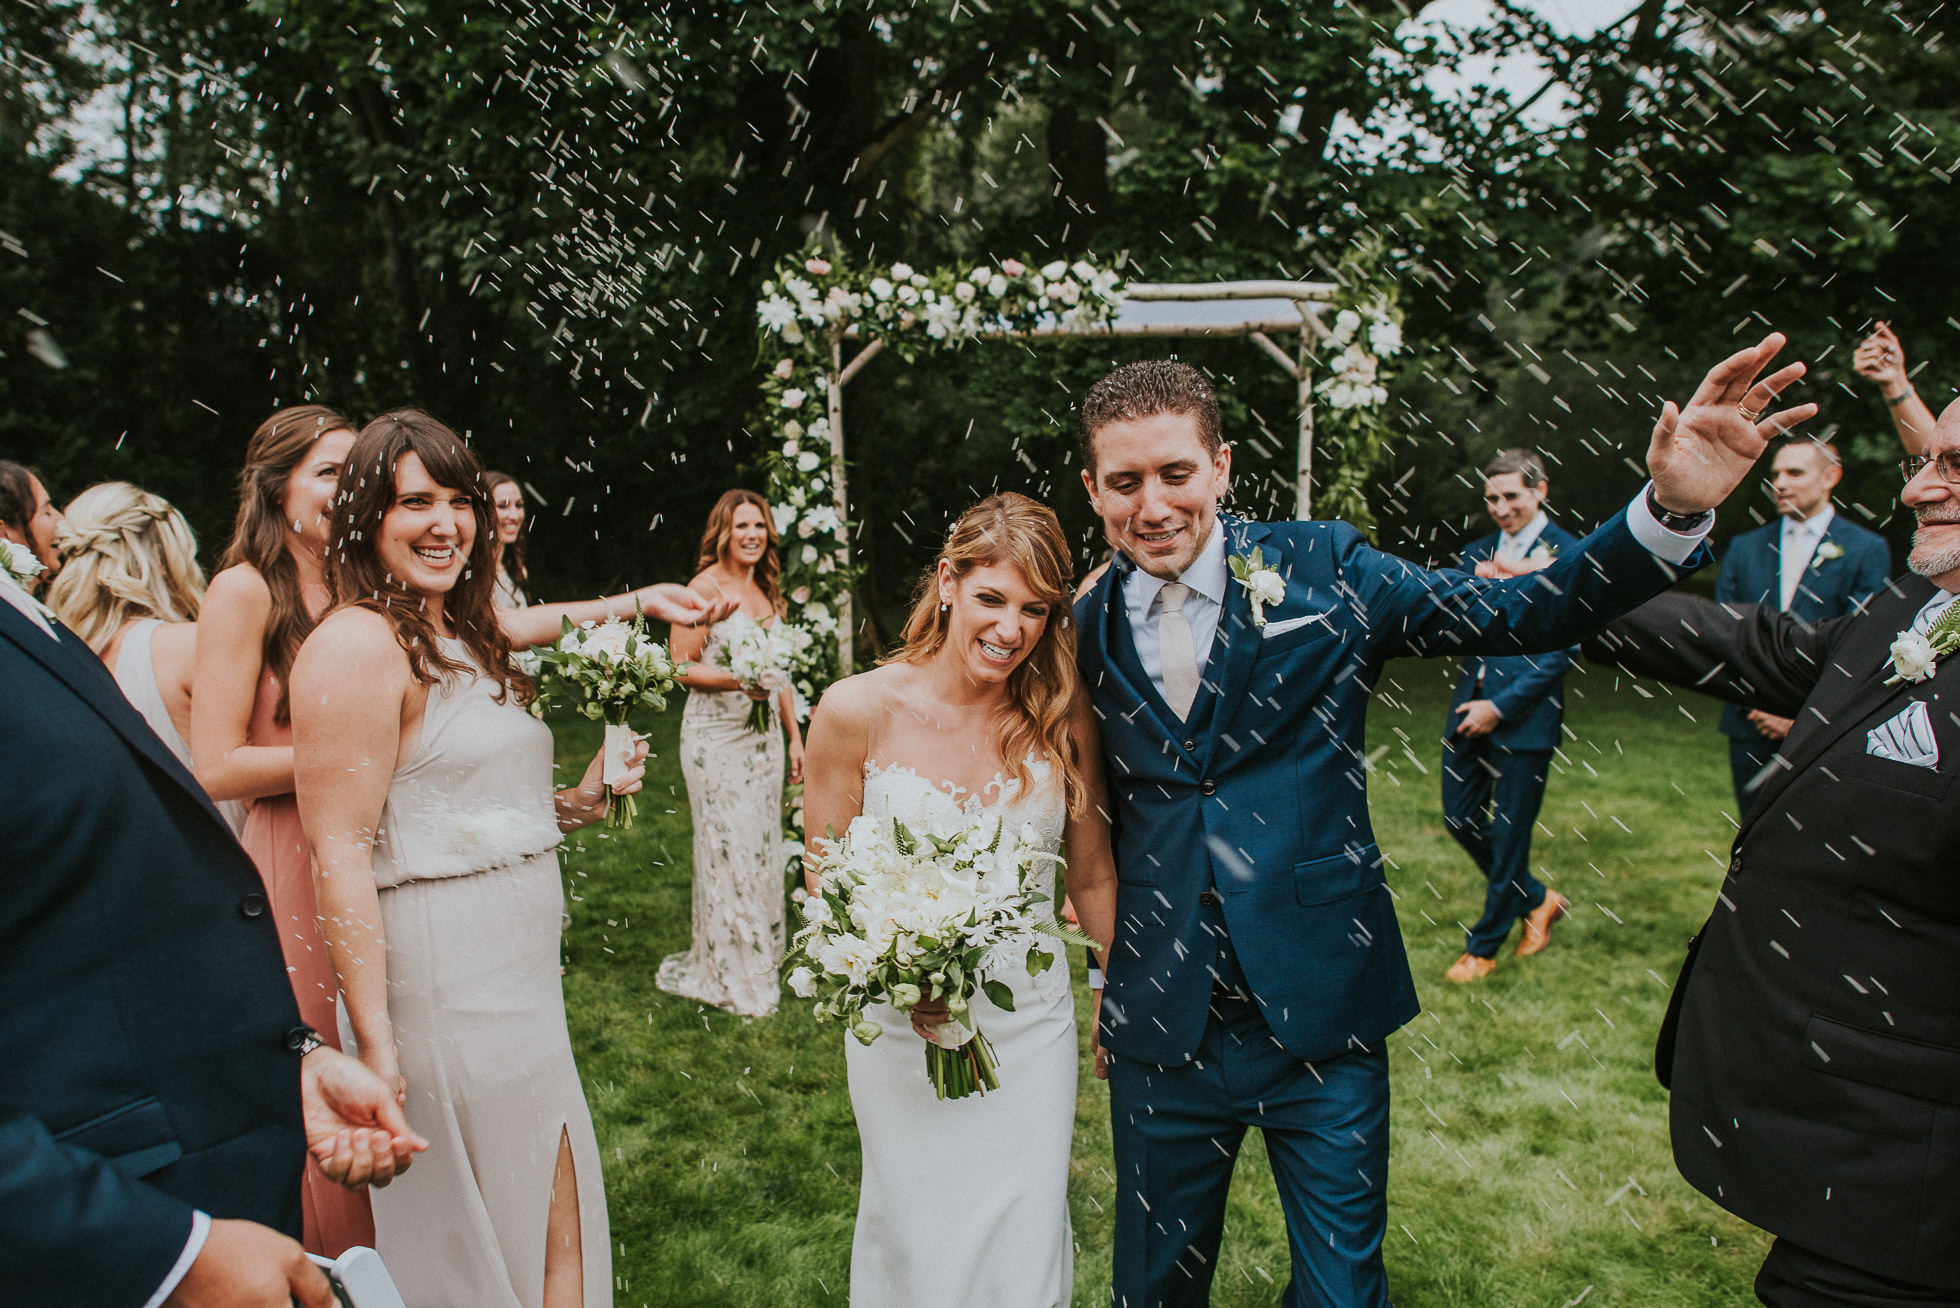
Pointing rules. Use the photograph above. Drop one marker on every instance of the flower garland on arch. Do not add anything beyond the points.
(814, 300)
(1351, 387)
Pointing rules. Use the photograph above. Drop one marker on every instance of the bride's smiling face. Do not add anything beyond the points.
(995, 619)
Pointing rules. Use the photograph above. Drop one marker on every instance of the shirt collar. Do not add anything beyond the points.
(12, 592)
(1814, 526)
(1528, 533)
(1208, 574)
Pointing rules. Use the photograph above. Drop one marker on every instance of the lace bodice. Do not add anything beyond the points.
(892, 790)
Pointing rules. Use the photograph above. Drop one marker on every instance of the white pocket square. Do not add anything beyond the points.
(1272, 629)
(1906, 738)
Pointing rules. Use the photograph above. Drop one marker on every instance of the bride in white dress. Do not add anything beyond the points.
(964, 1202)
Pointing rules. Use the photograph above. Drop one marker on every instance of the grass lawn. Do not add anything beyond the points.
(1530, 1157)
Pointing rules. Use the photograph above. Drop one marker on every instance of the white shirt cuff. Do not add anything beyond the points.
(1671, 546)
(200, 1231)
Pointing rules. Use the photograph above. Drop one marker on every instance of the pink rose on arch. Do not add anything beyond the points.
(816, 267)
(1013, 267)
(783, 370)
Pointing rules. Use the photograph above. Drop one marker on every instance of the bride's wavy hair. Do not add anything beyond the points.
(358, 578)
(1021, 533)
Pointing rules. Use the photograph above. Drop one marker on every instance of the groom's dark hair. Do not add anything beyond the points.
(1143, 390)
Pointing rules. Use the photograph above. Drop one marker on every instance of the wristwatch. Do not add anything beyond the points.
(1896, 400)
(1681, 523)
(303, 1040)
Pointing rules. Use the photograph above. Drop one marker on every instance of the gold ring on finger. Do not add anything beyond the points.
(1753, 415)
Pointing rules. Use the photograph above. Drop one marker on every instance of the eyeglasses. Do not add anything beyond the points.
(1946, 464)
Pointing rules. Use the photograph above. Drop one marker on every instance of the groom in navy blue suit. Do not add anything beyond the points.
(1257, 968)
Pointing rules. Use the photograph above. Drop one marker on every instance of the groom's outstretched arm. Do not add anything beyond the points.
(1697, 456)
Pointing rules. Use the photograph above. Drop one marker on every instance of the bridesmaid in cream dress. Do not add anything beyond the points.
(964, 1203)
(426, 793)
(734, 778)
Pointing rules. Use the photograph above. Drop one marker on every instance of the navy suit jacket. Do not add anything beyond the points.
(1261, 797)
(1528, 689)
(144, 1005)
(1752, 573)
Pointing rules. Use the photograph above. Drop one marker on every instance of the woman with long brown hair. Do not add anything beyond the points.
(426, 792)
(734, 775)
(270, 589)
(980, 711)
(513, 538)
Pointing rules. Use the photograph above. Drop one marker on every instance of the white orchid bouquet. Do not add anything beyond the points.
(605, 671)
(904, 917)
(765, 657)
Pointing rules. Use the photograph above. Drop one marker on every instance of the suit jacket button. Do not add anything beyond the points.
(252, 906)
(1207, 787)
(1190, 746)
(1735, 866)
(1209, 898)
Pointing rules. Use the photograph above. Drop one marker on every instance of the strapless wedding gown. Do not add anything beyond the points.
(964, 1202)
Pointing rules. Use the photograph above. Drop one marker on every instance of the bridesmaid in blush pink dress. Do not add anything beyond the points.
(260, 606)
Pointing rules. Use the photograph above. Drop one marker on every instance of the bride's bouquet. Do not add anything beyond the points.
(605, 671)
(903, 917)
(761, 656)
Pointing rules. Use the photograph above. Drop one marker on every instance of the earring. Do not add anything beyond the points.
(944, 607)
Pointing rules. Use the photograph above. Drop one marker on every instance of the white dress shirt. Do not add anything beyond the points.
(1795, 548)
(1513, 547)
(1208, 576)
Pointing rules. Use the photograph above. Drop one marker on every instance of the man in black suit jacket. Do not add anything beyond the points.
(157, 1091)
(1813, 1041)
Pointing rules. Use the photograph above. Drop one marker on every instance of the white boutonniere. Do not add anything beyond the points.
(1915, 657)
(1262, 584)
(20, 563)
(1542, 552)
(1829, 550)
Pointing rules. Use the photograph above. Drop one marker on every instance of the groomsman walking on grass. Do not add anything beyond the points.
(1503, 725)
(1257, 968)
(1810, 563)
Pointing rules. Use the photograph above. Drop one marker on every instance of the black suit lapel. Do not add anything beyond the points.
(76, 665)
(1862, 657)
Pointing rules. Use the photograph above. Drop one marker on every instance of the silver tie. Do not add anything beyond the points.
(1175, 650)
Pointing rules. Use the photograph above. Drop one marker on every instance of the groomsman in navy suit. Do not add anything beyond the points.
(1257, 968)
(1502, 727)
(1810, 563)
(157, 1091)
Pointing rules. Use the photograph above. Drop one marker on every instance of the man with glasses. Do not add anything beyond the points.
(1813, 1041)
(1810, 563)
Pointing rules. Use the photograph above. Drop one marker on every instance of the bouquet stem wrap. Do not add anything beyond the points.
(605, 672)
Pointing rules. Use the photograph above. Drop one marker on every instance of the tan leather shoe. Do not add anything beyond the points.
(1538, 923)
(1470, 968)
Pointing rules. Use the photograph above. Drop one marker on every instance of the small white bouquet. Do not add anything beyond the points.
(605, 671)
(903, 917)
(761, 656)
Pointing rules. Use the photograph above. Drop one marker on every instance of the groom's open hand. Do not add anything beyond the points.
(1701, 453)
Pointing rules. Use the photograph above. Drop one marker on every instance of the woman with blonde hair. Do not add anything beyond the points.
(979, 712)
(734, 775)
(130, 587)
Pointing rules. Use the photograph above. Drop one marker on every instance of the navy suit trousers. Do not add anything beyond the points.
(1491, 799)
(1326, 1130)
